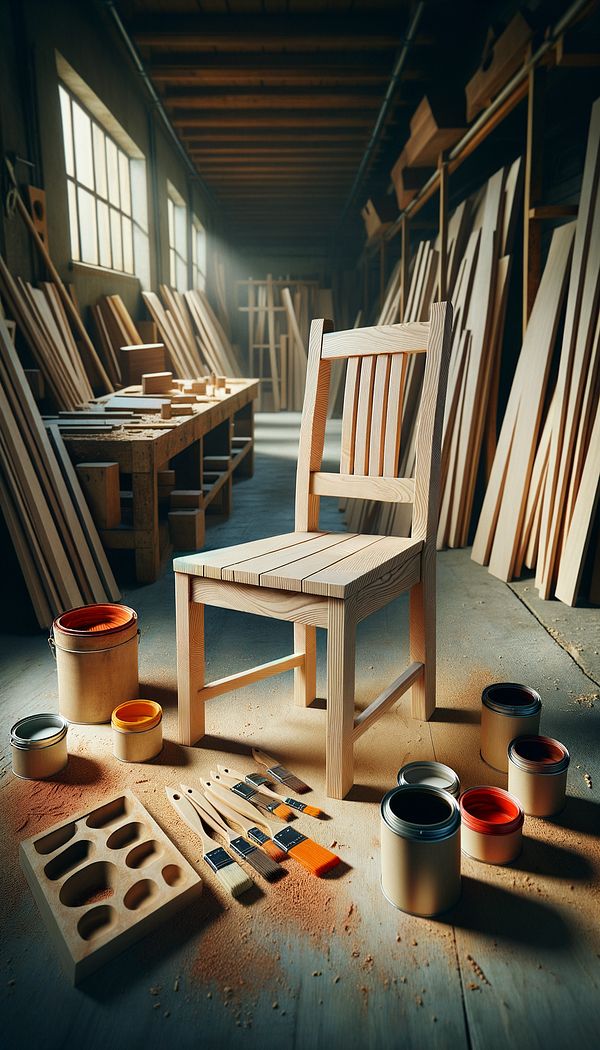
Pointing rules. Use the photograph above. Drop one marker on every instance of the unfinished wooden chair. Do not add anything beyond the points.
(334, 580)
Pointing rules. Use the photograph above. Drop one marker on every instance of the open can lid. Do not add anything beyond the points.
(538, 754)
(421, 813)
(430, 774)
(38, 731)
(510, 698)
(136, 716)
(491, 811)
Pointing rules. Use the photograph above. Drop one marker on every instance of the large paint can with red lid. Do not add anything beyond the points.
(96, 649)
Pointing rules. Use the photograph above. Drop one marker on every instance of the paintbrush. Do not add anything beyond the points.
(265, 799)
(227, 870)
(248, 827)
(262, 783)
(280, 773)
(309, 854)
(246, 850)
(246, 809)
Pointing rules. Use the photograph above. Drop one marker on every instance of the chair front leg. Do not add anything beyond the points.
(422, 612)
(341, 644)
(305, 677)
(189, 618)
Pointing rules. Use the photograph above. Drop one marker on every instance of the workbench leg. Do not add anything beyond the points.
(189, 619)
(144, 488)
(244, 427)
(341, 637)
(305, 677)
(422, 640)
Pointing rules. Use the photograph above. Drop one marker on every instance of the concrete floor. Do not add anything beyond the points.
(311, 963)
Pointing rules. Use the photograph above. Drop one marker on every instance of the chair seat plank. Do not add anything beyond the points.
(290, 577)
(360, 569)
(250, 570)
(210, 563)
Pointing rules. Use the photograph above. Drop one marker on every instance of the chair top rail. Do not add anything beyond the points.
(380, 339)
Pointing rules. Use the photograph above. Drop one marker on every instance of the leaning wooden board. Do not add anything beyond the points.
(103, 879)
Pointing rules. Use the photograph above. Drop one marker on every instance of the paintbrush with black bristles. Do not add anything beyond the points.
(280, 773)
(258, 860)
(237, 820)
(261, 782)
(265, 799)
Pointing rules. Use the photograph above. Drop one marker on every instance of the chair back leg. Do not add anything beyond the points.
(422, 613)
(341, 645)
(189, 618)
(305, 677)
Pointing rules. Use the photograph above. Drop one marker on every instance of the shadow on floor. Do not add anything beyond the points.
(579, 814)
(507, 916)
(456, 715)
(543, 858)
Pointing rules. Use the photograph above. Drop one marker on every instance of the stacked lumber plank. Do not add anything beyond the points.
(115, 329)
(176, 333)
(42, 321)
(278, 314)
(55, 539)
(480, 235)
(541, 502)
(215, 344)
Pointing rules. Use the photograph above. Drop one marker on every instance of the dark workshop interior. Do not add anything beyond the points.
(300, 524)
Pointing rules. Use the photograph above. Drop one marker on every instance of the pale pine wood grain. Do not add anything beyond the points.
(360, 569)
(261, 601)
(379, 415)
(189, 618)
(289, 577)
(349, 410)
(341, 643)
(387, 489)
(381, 339)
(244, 678)
(393, 419)
(305, 675)
(312, 427)
(251, 570)
(578, 537)
(385, 700)
(211, 563)
(363, 416)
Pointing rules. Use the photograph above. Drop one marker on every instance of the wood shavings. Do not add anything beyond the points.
(476, 968)
(588, 780)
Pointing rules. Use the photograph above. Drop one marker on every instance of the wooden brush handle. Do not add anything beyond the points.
(225, 810)
(236, 777)
(190, 816)
(207, 812)
(263, 759)
(239, 805)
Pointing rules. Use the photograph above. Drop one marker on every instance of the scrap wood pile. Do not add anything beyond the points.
(46, 515)
(115, 329)
(42, 321)
(193, 336)
(540, 507)
(480, 236)
(278, 314)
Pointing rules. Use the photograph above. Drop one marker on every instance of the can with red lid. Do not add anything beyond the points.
(492, 825)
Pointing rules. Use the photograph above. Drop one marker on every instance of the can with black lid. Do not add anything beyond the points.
(508, 710)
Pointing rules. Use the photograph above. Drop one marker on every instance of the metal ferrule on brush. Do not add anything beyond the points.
(287, 838)
(241, 847)
(255, 796)
(218, 858)
(257, 779)
(294, 804)
(279, 773)
(258, 836)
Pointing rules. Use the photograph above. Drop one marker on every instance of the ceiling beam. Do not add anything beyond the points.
(252, 32)
(264, 119)
(265, 100)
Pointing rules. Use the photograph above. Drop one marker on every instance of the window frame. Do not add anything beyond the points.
(177, 219)
(198, 232)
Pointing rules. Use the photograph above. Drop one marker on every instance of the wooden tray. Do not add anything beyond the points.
(103, 879)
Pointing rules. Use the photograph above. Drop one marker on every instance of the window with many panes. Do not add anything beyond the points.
(198, 254)
(178, 246)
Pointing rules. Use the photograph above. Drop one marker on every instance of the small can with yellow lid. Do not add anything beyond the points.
(137, 730)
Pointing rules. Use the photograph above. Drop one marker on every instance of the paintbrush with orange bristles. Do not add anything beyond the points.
(309, 854)
(264, 799)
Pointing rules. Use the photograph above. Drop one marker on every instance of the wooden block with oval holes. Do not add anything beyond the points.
(104, 878)
(100, 483)
(186, 529)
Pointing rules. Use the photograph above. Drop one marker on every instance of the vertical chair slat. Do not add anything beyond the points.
(363, 416)
(349, 415)
(393, 422)
(378, 419)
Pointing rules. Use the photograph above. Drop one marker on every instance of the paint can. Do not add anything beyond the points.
(96, 650)
(420, 849)
(492, 825)
(508, 710)
(537, 774)
(39, 746)
(137, 730)
(430, 774)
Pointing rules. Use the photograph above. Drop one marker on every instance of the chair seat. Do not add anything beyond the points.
(333, 564)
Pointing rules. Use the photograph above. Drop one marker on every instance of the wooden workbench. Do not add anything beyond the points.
(217, 437)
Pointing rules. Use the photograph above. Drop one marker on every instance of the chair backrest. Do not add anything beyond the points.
(372, 417)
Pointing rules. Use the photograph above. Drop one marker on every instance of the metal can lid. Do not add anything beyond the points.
(421, 813)
(430, 774)
(37, 731)
(510, 698)
(491, 811)
(136, 716)
(538, 754)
